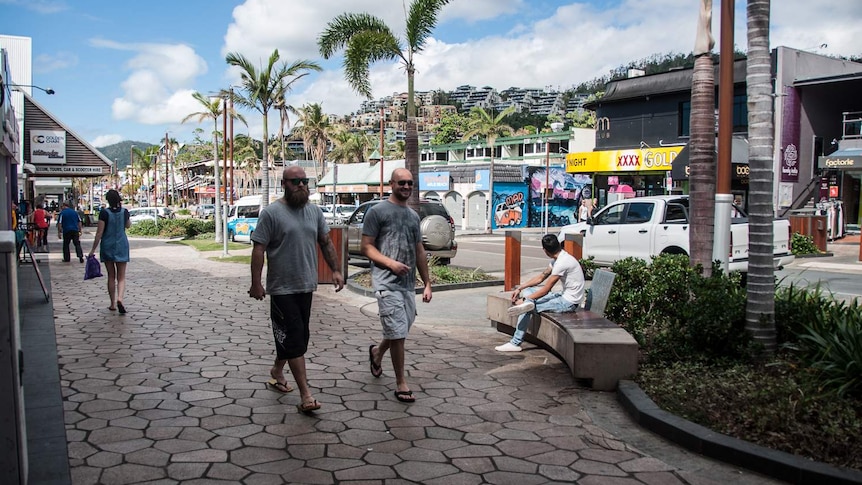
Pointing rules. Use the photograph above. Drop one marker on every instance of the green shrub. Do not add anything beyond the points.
(183, 212)
(171, 228)
(589, 266)
(674, 312)
(802, 245)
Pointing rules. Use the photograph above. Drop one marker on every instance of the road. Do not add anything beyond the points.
(838, 275)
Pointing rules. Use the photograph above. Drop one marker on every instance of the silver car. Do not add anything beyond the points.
(436, 225)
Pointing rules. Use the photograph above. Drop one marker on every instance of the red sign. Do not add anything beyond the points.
(833, 192)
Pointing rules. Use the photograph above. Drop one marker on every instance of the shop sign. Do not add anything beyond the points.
(67, 170)
(483, 178)
(839, 162)
(792, 108)
(47, 147)
(434, 181)
(635, 160)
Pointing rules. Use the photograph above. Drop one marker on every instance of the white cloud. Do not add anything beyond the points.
(159, 86)
(105, 140)
(44, 63)
(40, 6)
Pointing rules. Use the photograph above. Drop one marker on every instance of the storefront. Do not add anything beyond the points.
(620, 174)
(840, 182)
(738, 176)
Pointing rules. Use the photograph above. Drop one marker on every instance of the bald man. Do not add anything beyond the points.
(288, 232)
(392, 241)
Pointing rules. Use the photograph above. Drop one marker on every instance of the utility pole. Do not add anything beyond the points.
(382, 115)
(723, 197)
(166, 192)
(230, 199)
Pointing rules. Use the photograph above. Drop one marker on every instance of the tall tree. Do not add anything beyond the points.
(366, 39)
(701, 144)
(485, 125)
(312, 125)
(212, 109)
(261, 88)
(760, 306)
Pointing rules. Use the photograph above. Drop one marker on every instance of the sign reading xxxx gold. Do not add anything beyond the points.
(635, 160)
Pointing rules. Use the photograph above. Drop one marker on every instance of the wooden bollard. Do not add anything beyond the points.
(574, 245)
(512, 276)
(338, 235)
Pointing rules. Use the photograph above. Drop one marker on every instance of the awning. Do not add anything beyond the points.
(194, 182)
(843, 158)
(738, 158)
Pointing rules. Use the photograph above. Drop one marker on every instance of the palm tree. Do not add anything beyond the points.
(261, 88)
(146, 162)
(213, 109)
(702, 145)
(760, 286)
(366, 39)
(485, 125)
(247, 160)
(314, 128)
(350, 147)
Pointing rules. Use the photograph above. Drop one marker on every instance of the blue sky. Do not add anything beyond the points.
(125, 70)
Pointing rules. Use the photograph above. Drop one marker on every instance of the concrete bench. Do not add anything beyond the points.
(593, 347)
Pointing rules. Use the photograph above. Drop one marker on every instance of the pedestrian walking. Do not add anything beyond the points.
(533, 298)
(288, 233)
(69, 229)
(40, 220)
(392, 241)
(111, 233)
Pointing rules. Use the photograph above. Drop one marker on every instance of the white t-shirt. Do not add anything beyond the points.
(583, 213)
(571, 277)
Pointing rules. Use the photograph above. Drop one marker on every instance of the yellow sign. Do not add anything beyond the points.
(635, 160)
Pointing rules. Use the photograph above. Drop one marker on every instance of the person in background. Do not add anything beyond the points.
(111, 233)
(392, 241)
(69, 229)
(533, 298)
(40, 220)
(584, 210)
(288, 233)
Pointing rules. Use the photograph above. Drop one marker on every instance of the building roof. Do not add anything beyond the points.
(669, 82)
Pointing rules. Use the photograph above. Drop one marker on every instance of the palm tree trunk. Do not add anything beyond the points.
(411, 142)
(217, 218)
(703, 170)
(265, 201)
(760, 306)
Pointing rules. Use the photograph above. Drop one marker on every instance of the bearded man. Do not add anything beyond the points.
(288, 231)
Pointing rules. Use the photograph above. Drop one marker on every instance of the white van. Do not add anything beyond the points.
(242, 218)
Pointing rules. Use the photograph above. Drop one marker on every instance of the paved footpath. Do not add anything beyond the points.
(173, 392)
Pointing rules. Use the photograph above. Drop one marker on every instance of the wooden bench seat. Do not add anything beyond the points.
(593, 347)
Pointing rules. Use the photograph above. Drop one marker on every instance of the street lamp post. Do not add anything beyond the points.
(135, 186)
(17, 87)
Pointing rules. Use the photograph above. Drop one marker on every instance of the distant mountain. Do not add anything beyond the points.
(121, 152)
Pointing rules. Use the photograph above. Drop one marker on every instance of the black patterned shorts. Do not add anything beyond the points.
(290, 316)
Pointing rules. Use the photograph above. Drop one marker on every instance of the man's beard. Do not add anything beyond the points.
(296, 198)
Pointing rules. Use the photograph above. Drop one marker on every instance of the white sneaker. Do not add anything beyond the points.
(508, 347)
(522, 308)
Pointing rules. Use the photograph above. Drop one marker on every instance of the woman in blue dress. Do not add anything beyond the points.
(113, 222)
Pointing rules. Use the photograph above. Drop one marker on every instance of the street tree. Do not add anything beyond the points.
(262, 87)
(701, 145)
(482, 124)
(366, 39)
(760, 285)
(313, 127)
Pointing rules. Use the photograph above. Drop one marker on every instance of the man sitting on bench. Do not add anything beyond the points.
(533, 298)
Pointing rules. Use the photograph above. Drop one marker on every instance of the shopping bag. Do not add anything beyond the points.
(92, 269)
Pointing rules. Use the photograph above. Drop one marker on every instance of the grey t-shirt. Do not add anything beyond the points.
(290, 237)
(395, 230)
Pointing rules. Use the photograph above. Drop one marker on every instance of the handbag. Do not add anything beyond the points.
(92, 269)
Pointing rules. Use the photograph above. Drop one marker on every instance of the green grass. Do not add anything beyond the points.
(232, 259)
(209, 245)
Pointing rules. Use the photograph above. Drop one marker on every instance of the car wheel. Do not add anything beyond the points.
(436, 232)
(444, 261)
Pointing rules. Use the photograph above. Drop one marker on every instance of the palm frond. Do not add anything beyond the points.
(421, 21)
(343, 28)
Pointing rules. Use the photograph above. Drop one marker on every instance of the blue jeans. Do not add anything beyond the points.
(552, 302)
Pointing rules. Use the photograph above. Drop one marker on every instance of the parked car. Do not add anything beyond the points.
(340, 216)
(205, 211)
(436, 225)
(644, 227)
(138, 214)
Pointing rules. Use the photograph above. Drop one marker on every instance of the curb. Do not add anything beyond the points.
(776, 464)
(368, 292)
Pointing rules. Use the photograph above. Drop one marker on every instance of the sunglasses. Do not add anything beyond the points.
(297, 181)
(402, 183)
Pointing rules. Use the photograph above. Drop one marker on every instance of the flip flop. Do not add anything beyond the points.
(308, 407)
(121, 308)
(405, 396)
(279, 387)
(376, 370)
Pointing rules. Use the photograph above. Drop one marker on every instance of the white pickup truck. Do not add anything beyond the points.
(649, 226)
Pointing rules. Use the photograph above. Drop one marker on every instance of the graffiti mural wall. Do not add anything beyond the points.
(509, 205)
(568, 190)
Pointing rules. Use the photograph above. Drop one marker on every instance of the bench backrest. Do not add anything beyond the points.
(600, 290)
